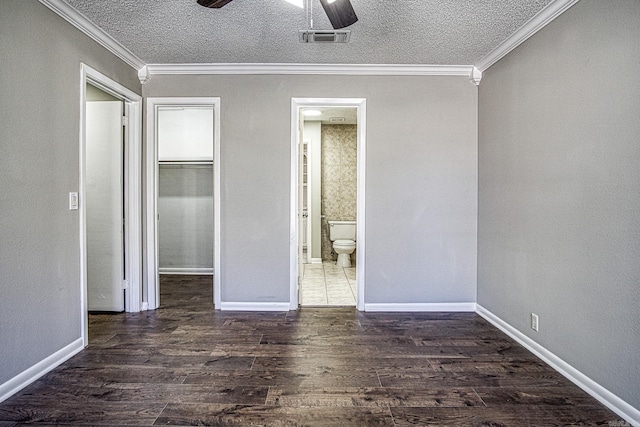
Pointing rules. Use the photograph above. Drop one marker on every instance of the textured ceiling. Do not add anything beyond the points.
(433, 32)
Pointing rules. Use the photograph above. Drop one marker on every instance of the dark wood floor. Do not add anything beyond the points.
(188, 365)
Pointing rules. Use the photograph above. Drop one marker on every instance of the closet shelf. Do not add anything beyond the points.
(185, 162)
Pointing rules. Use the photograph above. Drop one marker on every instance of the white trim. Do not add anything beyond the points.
(186, 271)
(476, 76)
(361, 105)
(604, 396)
(96, 33)
(153, 288)
(133, 208)
(31, 374)
(143, 75)
(151, 162)
(361, 206)
(133, 190)
(535, 24)
(255, 306)
(315, 261)
(315, 69)
(293, 205)
(422, 307)
(217, 206)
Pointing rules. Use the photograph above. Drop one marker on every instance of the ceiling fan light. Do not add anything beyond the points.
(216, 4)
(340, 13)
(299, 3)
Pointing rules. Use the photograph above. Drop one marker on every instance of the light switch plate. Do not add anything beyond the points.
(534, 322)
(73, 201)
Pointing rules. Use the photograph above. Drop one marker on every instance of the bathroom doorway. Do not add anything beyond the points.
(328, 146)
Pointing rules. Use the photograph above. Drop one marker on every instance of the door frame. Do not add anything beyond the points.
(132, 190)
(296, 105)
(153, 281)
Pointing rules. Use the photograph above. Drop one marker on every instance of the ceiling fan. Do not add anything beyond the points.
(339, 12)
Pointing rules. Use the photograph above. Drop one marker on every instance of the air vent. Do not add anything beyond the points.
(337, 119)
(324, 36)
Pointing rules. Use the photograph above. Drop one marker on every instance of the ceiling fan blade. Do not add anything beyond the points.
(217, 4)
(340, 13)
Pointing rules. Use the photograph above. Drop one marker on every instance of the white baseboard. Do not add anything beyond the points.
(25, 378)
(254, 306)
(316, 260)
(186, 271)
(604, 396)
(426, 307)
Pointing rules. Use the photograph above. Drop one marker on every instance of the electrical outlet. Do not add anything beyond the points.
(534, 322)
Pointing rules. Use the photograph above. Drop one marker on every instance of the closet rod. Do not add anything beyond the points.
(186, 162)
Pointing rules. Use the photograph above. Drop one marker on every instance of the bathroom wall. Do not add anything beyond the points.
(339, 178)
(559, 190)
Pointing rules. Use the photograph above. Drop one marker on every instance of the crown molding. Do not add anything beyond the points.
(535, 24)
(314, 69)
(475, 76)
(82, 23)
(145, 71)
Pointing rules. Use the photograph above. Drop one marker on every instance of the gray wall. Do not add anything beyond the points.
(559, 191)
(185, 205)
(39, 166)
(421, 188)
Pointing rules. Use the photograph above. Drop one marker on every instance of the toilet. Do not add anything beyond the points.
(343, 236)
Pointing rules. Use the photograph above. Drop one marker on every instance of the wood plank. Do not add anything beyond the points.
(376, 397)
(273, 416)
(283, 377)
(82, 412)
(547, 416)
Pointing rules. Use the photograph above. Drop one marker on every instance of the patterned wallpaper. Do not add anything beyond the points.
(339, 178)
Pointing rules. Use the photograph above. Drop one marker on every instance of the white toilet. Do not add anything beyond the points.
(343, 236)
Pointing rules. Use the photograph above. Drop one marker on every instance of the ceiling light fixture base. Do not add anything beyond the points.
(324, 36)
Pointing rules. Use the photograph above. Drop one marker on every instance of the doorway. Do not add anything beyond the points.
(327, 187)
(104, 197)
(183, 191)
(109, 196)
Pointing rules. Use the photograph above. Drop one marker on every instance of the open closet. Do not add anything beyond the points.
(185, 189)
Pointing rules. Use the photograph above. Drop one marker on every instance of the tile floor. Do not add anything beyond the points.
(328, 285)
